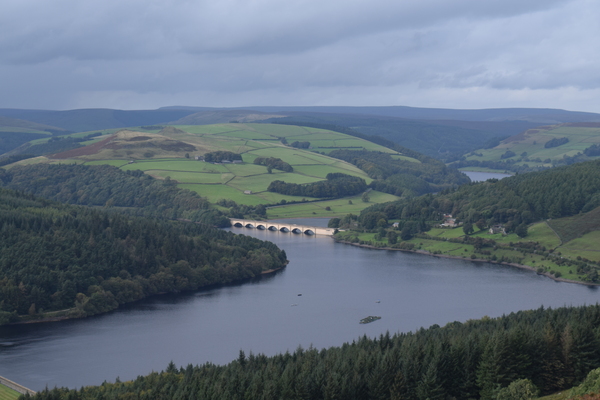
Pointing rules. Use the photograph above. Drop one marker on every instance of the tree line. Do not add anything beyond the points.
(543, 351)
(336, 185)
(300, 145)
(556, 142)
(273, 162)
(56, 256)
(220, 156)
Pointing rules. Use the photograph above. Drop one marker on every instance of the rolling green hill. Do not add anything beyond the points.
(441, 139)
(170, 153)
(176, 153)
(542, 147)
(440, 133)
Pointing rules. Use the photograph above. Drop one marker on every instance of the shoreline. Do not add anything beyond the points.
(426, 253)
(66, 317)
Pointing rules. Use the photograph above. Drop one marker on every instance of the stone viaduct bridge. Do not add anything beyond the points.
(281, 227)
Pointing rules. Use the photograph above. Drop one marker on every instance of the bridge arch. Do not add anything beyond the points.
(277, 227)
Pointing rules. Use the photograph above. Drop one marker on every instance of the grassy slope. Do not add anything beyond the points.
(163, 154)
(533, 140)
(570, 228)
(584, 246)
(8, 394)
(338, 207)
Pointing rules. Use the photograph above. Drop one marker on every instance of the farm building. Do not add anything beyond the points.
(497, 229)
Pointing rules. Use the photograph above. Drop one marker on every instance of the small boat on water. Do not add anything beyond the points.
(369, 319)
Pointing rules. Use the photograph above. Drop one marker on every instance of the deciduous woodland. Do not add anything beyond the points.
(479, 359)
(87, 261)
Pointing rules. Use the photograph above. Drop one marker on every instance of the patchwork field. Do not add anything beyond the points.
(171, 151)
(529, 146)
(337, 207)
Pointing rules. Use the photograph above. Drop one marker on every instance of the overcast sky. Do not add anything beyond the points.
(145, 54)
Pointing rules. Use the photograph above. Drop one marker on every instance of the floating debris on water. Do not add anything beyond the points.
(369, 319)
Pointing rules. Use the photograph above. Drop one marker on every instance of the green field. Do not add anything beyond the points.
(585, 247)
(245, 169)
(532, 142)
(114, 163)
(171, 152)
(573, 227)
(338, 207)
(8, 394)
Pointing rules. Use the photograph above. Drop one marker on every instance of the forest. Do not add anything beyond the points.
(336, 185)
(516, 200)
(539, 351)
(130, 192)
(88, 261)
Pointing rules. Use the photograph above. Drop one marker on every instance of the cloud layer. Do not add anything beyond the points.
(432, 53)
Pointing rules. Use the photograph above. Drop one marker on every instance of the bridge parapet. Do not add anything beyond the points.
(282, 227)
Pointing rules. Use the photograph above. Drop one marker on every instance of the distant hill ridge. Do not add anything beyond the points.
(7, 122)
(446, 134)
(83, 120)
(537, 115)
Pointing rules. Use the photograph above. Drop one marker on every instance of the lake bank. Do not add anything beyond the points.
(480, 175)
(339, 286)
(428, 253)
(26, 319)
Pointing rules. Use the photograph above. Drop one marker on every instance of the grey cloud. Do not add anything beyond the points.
(41, 30)
(228, 52)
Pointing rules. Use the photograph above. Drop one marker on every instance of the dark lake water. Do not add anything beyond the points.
(339, 284)
(483, 176)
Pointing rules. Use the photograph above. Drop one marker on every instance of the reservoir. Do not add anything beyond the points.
(318, 300)
(483, 176)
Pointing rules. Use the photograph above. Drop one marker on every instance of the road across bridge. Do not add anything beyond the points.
(281, 227)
